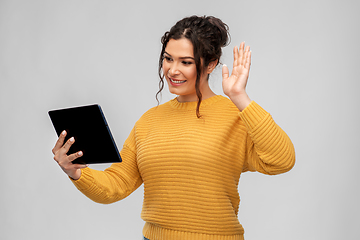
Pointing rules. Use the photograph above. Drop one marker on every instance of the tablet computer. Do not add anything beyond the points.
(87, 124)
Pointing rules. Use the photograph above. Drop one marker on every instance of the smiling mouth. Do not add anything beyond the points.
(176, 81)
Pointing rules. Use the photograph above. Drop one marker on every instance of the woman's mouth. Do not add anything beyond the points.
(174, 81)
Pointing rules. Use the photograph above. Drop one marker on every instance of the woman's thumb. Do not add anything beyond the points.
(225, 71)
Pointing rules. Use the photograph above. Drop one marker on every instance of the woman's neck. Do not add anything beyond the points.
(206, 93)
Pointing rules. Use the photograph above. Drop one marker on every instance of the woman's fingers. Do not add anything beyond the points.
(60, 154)
(68, 144)
(236, 56)
(241, 55)
(80, 166)
(248, 60)
(72, 170)
(241, 52)
(65, 161)
(59, 142)
(245, 54)
(69, 166)
(74, 156)
(225, 72)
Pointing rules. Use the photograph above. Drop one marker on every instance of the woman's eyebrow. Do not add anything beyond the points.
(181, 57)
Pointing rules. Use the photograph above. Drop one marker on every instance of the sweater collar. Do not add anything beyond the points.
(192, 105)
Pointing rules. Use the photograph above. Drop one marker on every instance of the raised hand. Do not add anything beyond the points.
(234, 86)
(65, 161)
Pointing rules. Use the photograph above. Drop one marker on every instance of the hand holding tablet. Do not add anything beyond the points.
(66, 162)
(86, 140)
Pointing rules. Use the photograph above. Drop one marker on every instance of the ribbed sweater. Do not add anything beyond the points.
(191, 167)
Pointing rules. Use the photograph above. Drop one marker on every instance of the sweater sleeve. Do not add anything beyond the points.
(114, 183)
(269, 149)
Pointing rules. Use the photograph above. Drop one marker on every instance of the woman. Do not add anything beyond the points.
(190, 151)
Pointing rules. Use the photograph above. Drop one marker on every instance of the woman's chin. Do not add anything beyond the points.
(175, 91)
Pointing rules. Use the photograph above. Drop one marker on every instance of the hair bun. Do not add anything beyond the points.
(223, 28)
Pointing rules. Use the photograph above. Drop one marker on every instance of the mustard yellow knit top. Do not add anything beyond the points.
(191, 167)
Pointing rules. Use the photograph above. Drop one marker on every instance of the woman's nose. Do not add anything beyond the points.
(174, 70)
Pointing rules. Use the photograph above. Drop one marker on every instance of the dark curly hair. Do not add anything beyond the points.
(207, 34)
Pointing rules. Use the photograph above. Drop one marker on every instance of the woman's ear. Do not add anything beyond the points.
(211, 66)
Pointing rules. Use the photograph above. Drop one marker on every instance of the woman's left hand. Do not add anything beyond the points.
(234, 86)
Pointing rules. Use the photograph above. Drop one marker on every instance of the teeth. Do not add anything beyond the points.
(174, 81)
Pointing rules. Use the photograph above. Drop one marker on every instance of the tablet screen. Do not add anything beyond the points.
(87, 124)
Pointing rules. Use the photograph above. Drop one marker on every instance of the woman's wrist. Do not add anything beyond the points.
(76, 176)
(241, 101)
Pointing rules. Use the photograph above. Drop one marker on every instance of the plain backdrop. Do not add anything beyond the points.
(305, 72)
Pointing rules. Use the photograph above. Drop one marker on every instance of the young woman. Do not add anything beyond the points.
(190, 151)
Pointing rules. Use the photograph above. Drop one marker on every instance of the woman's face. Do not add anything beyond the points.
(180, 69)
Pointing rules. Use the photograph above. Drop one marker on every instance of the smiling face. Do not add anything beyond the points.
(179, 69)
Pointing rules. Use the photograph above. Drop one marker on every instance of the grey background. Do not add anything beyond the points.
(305, 72)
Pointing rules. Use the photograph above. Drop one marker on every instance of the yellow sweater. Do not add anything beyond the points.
(191, 167)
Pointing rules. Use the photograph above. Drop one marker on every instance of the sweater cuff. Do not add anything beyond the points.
(85, 180)
(252, 115)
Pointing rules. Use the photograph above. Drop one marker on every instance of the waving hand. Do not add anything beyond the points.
(234, 85)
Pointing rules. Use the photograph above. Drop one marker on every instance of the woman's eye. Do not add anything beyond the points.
(186, 63)
(167, 58)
